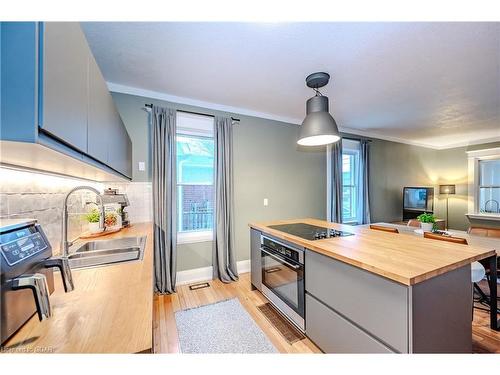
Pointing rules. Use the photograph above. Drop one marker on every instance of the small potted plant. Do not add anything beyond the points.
(93, 217)
(426, 221)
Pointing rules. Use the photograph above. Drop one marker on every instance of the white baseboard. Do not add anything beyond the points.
(194, 275)
(206, 273)
(243, 266)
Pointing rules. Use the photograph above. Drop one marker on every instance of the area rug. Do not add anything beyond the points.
(222, 327)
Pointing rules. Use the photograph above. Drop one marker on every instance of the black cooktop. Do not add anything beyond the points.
(310, 232)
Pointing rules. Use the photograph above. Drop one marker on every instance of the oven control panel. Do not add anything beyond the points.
(21, 244)
(281, 249)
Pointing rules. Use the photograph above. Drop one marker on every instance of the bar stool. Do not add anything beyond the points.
(478, 272)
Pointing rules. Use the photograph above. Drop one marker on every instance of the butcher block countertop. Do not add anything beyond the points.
(110, 310)
(404, 258)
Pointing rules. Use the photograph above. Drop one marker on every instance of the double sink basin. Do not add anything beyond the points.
(105, 252)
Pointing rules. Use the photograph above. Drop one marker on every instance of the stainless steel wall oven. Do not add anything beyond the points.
(283, 278)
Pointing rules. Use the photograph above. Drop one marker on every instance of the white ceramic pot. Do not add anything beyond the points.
(427, 227)
(94, 228)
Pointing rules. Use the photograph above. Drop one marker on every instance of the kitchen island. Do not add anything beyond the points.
(109, 311)
(381, 292)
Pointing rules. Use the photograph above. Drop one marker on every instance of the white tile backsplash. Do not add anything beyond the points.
(25, 194)
(140, 196)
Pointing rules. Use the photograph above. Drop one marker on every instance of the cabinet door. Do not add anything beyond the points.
(101, 114)
(65, 83)
(334, 334)
(255, 259)
(377, 304)
(120, 146)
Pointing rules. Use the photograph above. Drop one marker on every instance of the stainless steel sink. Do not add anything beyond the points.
(105, 252)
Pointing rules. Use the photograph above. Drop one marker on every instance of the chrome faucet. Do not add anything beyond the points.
(65, 244)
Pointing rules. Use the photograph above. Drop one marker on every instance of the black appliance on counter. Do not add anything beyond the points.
(283, 278)
(112, 196)
(26, 274)
(310, 232)
(416, 201)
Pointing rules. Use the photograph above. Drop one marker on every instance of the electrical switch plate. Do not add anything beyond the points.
(142, 166)
(266, 202)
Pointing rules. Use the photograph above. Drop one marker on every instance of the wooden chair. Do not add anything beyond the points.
(478, 270)
(434, 236)
(414, 223)
(384, 229)
(484, 232)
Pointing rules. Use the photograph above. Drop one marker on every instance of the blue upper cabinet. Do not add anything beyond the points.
(54, 97)
(19, 81)
(64, 83)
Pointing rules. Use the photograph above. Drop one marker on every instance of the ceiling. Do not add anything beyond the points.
(432, 84)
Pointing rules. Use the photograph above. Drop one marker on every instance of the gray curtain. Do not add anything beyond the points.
(163, 131)
(334, 182)
(364, 182)
(224, 259)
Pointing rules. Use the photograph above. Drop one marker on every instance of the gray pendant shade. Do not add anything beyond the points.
(319, 127)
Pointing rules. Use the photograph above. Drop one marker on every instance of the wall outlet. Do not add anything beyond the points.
(266, 202)
(142, 166)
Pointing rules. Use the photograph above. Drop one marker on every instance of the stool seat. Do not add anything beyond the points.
(477, 272)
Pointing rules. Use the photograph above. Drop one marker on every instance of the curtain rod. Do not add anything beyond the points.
(357, 139)
(149, 106)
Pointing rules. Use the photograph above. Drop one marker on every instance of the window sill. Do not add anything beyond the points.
(485, 216)
(350, 222)
(193, 237)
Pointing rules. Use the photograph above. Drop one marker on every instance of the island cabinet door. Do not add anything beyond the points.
(373, 303)
(335, 334)
(255, 259)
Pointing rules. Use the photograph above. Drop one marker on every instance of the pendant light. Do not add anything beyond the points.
(319, 127)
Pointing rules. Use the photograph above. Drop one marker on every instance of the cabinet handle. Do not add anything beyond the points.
(294, 266)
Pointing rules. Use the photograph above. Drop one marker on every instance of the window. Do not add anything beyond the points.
(195, 177)
(483, 184)
(489, 186)
(350, 181)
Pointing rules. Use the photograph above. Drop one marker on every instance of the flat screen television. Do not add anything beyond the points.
(417, 200)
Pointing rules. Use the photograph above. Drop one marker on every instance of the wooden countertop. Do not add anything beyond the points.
(404, 258)
(110, 310)
(474, 240)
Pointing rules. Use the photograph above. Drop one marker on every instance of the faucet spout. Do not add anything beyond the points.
(65, 244)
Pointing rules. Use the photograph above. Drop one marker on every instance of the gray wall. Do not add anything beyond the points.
(267, 164)
(395, 165)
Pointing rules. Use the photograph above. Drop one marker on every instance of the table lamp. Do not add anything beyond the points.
(447, 190)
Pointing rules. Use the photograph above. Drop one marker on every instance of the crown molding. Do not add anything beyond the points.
(115, 87)
(124, 89)
(375, 135)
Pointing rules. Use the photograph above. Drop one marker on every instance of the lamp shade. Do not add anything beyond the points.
(319, 127)
(446, 189)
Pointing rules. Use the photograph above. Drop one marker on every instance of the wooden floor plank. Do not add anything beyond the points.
(485, 340)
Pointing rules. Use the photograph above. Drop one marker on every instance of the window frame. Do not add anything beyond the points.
(194, 236)
(474, 157)
(355, 170)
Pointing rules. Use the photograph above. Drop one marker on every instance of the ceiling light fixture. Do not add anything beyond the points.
(319, 127)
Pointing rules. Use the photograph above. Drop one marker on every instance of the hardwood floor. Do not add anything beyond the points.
(484, 339)
(165, 336)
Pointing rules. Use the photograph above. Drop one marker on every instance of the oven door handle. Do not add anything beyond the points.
(294, 266)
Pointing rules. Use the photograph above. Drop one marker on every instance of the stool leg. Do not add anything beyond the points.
(493, 293)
